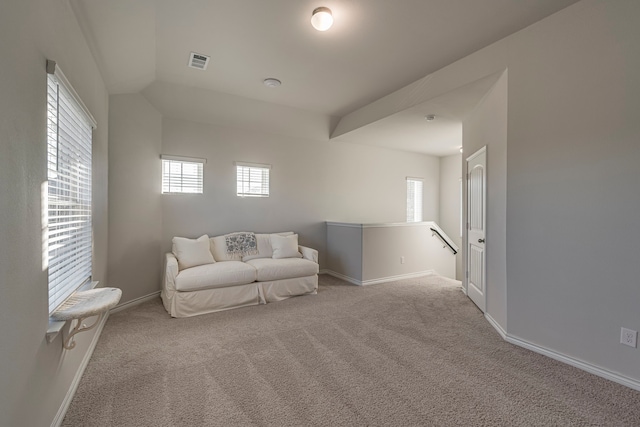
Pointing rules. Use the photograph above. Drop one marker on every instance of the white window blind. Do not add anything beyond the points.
(182, 175)
(68, 229)
(252, 179)
(414, 199)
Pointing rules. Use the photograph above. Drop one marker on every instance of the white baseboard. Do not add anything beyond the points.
(596, 370)
(593, 369)
(496, 326)
(380, 280)
(342, 276)
(399, 277)
(62, 411)
(134, 302)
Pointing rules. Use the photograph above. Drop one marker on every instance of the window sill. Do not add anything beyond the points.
(56, 326)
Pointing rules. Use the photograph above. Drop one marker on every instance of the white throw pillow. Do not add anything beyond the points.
(285, 246)
(264, 246)
(192, 252)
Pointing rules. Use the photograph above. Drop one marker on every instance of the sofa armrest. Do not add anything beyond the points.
(170, 272)
(308, 253)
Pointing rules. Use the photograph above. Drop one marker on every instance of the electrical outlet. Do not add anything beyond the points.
(401, 260)
(628, 337)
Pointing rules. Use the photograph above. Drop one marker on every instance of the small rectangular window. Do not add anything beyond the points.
(182, 175)
(414, 199)
(252, 179)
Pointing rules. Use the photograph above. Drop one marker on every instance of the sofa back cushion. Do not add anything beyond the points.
(264, 246)
(219, 247)
(192, 252)
(219, 250)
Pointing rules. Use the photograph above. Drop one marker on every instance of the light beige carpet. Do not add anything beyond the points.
(408, 353)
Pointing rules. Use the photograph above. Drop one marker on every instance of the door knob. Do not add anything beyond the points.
(480, 240)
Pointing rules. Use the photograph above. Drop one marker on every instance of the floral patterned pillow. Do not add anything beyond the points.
(241, 243)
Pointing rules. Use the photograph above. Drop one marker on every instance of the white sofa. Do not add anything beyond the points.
(201, 276)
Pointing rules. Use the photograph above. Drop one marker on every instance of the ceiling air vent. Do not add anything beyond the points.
(199, 61)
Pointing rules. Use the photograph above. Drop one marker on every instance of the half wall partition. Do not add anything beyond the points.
(366, 254)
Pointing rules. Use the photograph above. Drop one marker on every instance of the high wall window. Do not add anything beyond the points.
(67, 229)
(414, 199)
(182, 175)
(252, 179)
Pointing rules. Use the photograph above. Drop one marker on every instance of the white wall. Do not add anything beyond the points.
(572, 97)
(384, 246)
(311, 182)
(571, 231)
(487, 126)
(366, 254)
(135, 210)
(573, 198)
(450, 176)
(344, 250)
(35, 375)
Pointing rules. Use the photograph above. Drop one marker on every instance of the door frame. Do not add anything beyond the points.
(480, 151)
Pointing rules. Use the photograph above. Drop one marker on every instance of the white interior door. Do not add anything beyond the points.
(476, 220)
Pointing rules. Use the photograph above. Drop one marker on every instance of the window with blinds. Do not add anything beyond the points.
(182, 175)
(68, 230)
(414, 199)
(252, 180)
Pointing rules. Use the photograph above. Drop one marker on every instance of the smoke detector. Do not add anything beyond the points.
(430, 117)
(271, 82)
(198, 61)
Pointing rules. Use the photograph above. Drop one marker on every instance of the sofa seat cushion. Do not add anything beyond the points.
(218, 275)
(286, 268)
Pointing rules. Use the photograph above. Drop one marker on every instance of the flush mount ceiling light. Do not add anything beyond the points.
(271, 82)
(321, 18)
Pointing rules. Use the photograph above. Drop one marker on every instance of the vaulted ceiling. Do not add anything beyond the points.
(374, 47)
